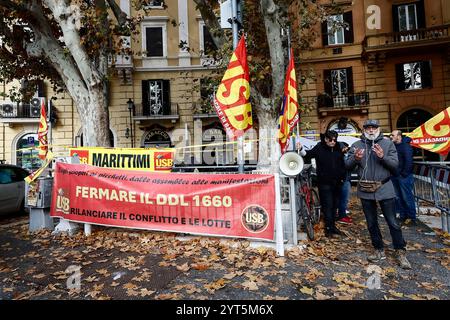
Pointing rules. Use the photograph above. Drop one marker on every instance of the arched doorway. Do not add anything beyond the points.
(156, 138)
(28, 158)
(410, 120)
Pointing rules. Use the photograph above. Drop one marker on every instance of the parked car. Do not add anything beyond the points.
(12, 188)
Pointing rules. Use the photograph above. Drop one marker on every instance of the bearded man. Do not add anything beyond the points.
(377, 160)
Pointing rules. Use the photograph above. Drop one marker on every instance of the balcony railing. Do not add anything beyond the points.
(357, 100)
(408, 38)
(157, 112)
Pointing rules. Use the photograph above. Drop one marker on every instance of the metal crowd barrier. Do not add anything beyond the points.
(432, 185)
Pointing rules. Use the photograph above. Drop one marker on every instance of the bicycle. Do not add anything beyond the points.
(311, 194)
(308, 206)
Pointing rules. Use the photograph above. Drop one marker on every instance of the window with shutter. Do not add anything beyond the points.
(145, 100)
(409, 16)
(335, 29)
(420, 9)
(413, 75)
(166, 97)
(325, 33)
(154, 4)
(339, 87)
(426, 74)
(348, 29)
(208, 43)
(339, 82)
(156, 97)
(154, 42)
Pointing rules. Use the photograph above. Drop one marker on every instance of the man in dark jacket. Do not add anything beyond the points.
(330, 177)
(376, 159)
(403, 179)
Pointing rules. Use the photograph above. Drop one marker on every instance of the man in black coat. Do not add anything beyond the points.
(330, 177)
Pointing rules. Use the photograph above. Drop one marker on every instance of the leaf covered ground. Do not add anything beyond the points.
(117, 263)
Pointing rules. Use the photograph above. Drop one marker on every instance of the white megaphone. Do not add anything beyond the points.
(291, 164)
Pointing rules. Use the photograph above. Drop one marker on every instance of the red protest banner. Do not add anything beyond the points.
(232, 205)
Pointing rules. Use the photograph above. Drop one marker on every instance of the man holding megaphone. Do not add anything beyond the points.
(331, 173)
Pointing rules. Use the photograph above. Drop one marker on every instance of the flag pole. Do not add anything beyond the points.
(288, 31)
(49, 125)
(240, 155)
(186, 144)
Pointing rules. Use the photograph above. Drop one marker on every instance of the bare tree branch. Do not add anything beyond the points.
(46, 45)
(61, 11)
(211, 22)
(118, 13)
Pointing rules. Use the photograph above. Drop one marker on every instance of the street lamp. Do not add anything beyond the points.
(130, 105)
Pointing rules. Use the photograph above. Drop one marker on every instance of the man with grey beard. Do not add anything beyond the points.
(376, 159)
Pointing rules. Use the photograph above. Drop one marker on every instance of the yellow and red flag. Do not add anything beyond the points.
(433, 135)
(289, 110)
(42, 133)
(35, 174)
(232, 97)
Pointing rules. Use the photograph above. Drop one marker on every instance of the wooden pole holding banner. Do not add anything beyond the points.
(49, 108)
(293, 197)
(186, 144)
(240, 140)
(49, 132)
(289, 59)
(279, 238)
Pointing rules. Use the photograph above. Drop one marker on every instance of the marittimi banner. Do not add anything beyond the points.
(231, 205)
(433, 135)
(150, 159)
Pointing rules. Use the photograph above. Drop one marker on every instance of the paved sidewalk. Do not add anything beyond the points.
(125, 264)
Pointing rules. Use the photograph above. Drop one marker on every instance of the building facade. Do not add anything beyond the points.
(378, 59)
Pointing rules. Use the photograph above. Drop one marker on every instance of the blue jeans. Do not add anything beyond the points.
(329, 199)
(405, 204)
(343, 201)
(388, 208)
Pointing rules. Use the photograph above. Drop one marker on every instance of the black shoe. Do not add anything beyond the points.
(335, 233)
(332, 235)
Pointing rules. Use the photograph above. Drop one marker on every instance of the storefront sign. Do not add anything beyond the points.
(232, 205)
(157, 137)
(30, 141)
(121, 158)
